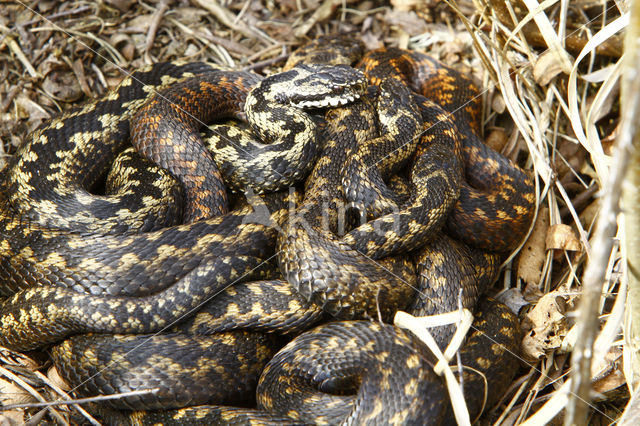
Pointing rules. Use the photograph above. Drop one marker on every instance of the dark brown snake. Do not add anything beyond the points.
(69, 247)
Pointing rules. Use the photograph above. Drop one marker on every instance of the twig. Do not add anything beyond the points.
(594, 275)
(55, 16)
(262, 53)
(323, 12)
(79, 400)
(4, 105)
(266, 62)
(45, 18)
(63, 394)
(8, 374)
(78, 69)
(587, 324)
(15, 47)
(153, 29)
(227, 19)
(629, 131)
(226, 43)
(573, 42)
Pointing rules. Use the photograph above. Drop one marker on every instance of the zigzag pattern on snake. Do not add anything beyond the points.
(57, 234)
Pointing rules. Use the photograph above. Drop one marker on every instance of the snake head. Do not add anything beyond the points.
(320, 86)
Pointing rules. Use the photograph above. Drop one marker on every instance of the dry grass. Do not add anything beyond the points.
(550, 103)
(563, 100)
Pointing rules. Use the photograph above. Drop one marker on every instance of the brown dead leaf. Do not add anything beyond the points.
(18, 359)
(609, 374)
(371, 41)
(57, 380)
(609, 140)
(589, 214)
(544, 326)
(410, 22)
(571, 156)
(78, 70)
(286, 7)
(498, 104)
(62, 85)
(532, 293)
(45, 6)
(497, 138)
(191, 16)
(12, 418)
(533, 253)
(140, 24)
(52, 63)
(123, 43)
(547, 66)
(562, 237)
(30, 110)
(10, 394)
(191, 50)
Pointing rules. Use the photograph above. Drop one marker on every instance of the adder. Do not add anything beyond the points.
(231, 238)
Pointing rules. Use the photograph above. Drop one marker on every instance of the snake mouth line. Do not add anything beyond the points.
(327, 102)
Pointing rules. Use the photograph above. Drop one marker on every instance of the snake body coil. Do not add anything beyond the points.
(403, 151)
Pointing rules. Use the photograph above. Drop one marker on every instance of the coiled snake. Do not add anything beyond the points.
(75, 262)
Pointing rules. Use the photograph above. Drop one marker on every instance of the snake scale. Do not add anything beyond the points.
(228, 279)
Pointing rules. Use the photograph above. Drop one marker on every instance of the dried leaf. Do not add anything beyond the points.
(62, 86)
(57, 380)
(19, 360)
(123, 43)
(128, 51)
(589, 214)
(372, 41)
(548, 65)
(12, 418)
(544, 326)
(191, 50)
(533, 253)
(45, 6)
(50, 64)
(408, 21)
(11, 393)
(562, 237)
(30, 110)
(532, 293)
(497, 138)
(497, 103)
(190, 16)
(140, 24)
(572, 156)
(609, 374)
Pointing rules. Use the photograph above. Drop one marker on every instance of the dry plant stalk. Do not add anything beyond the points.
(629, 144)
